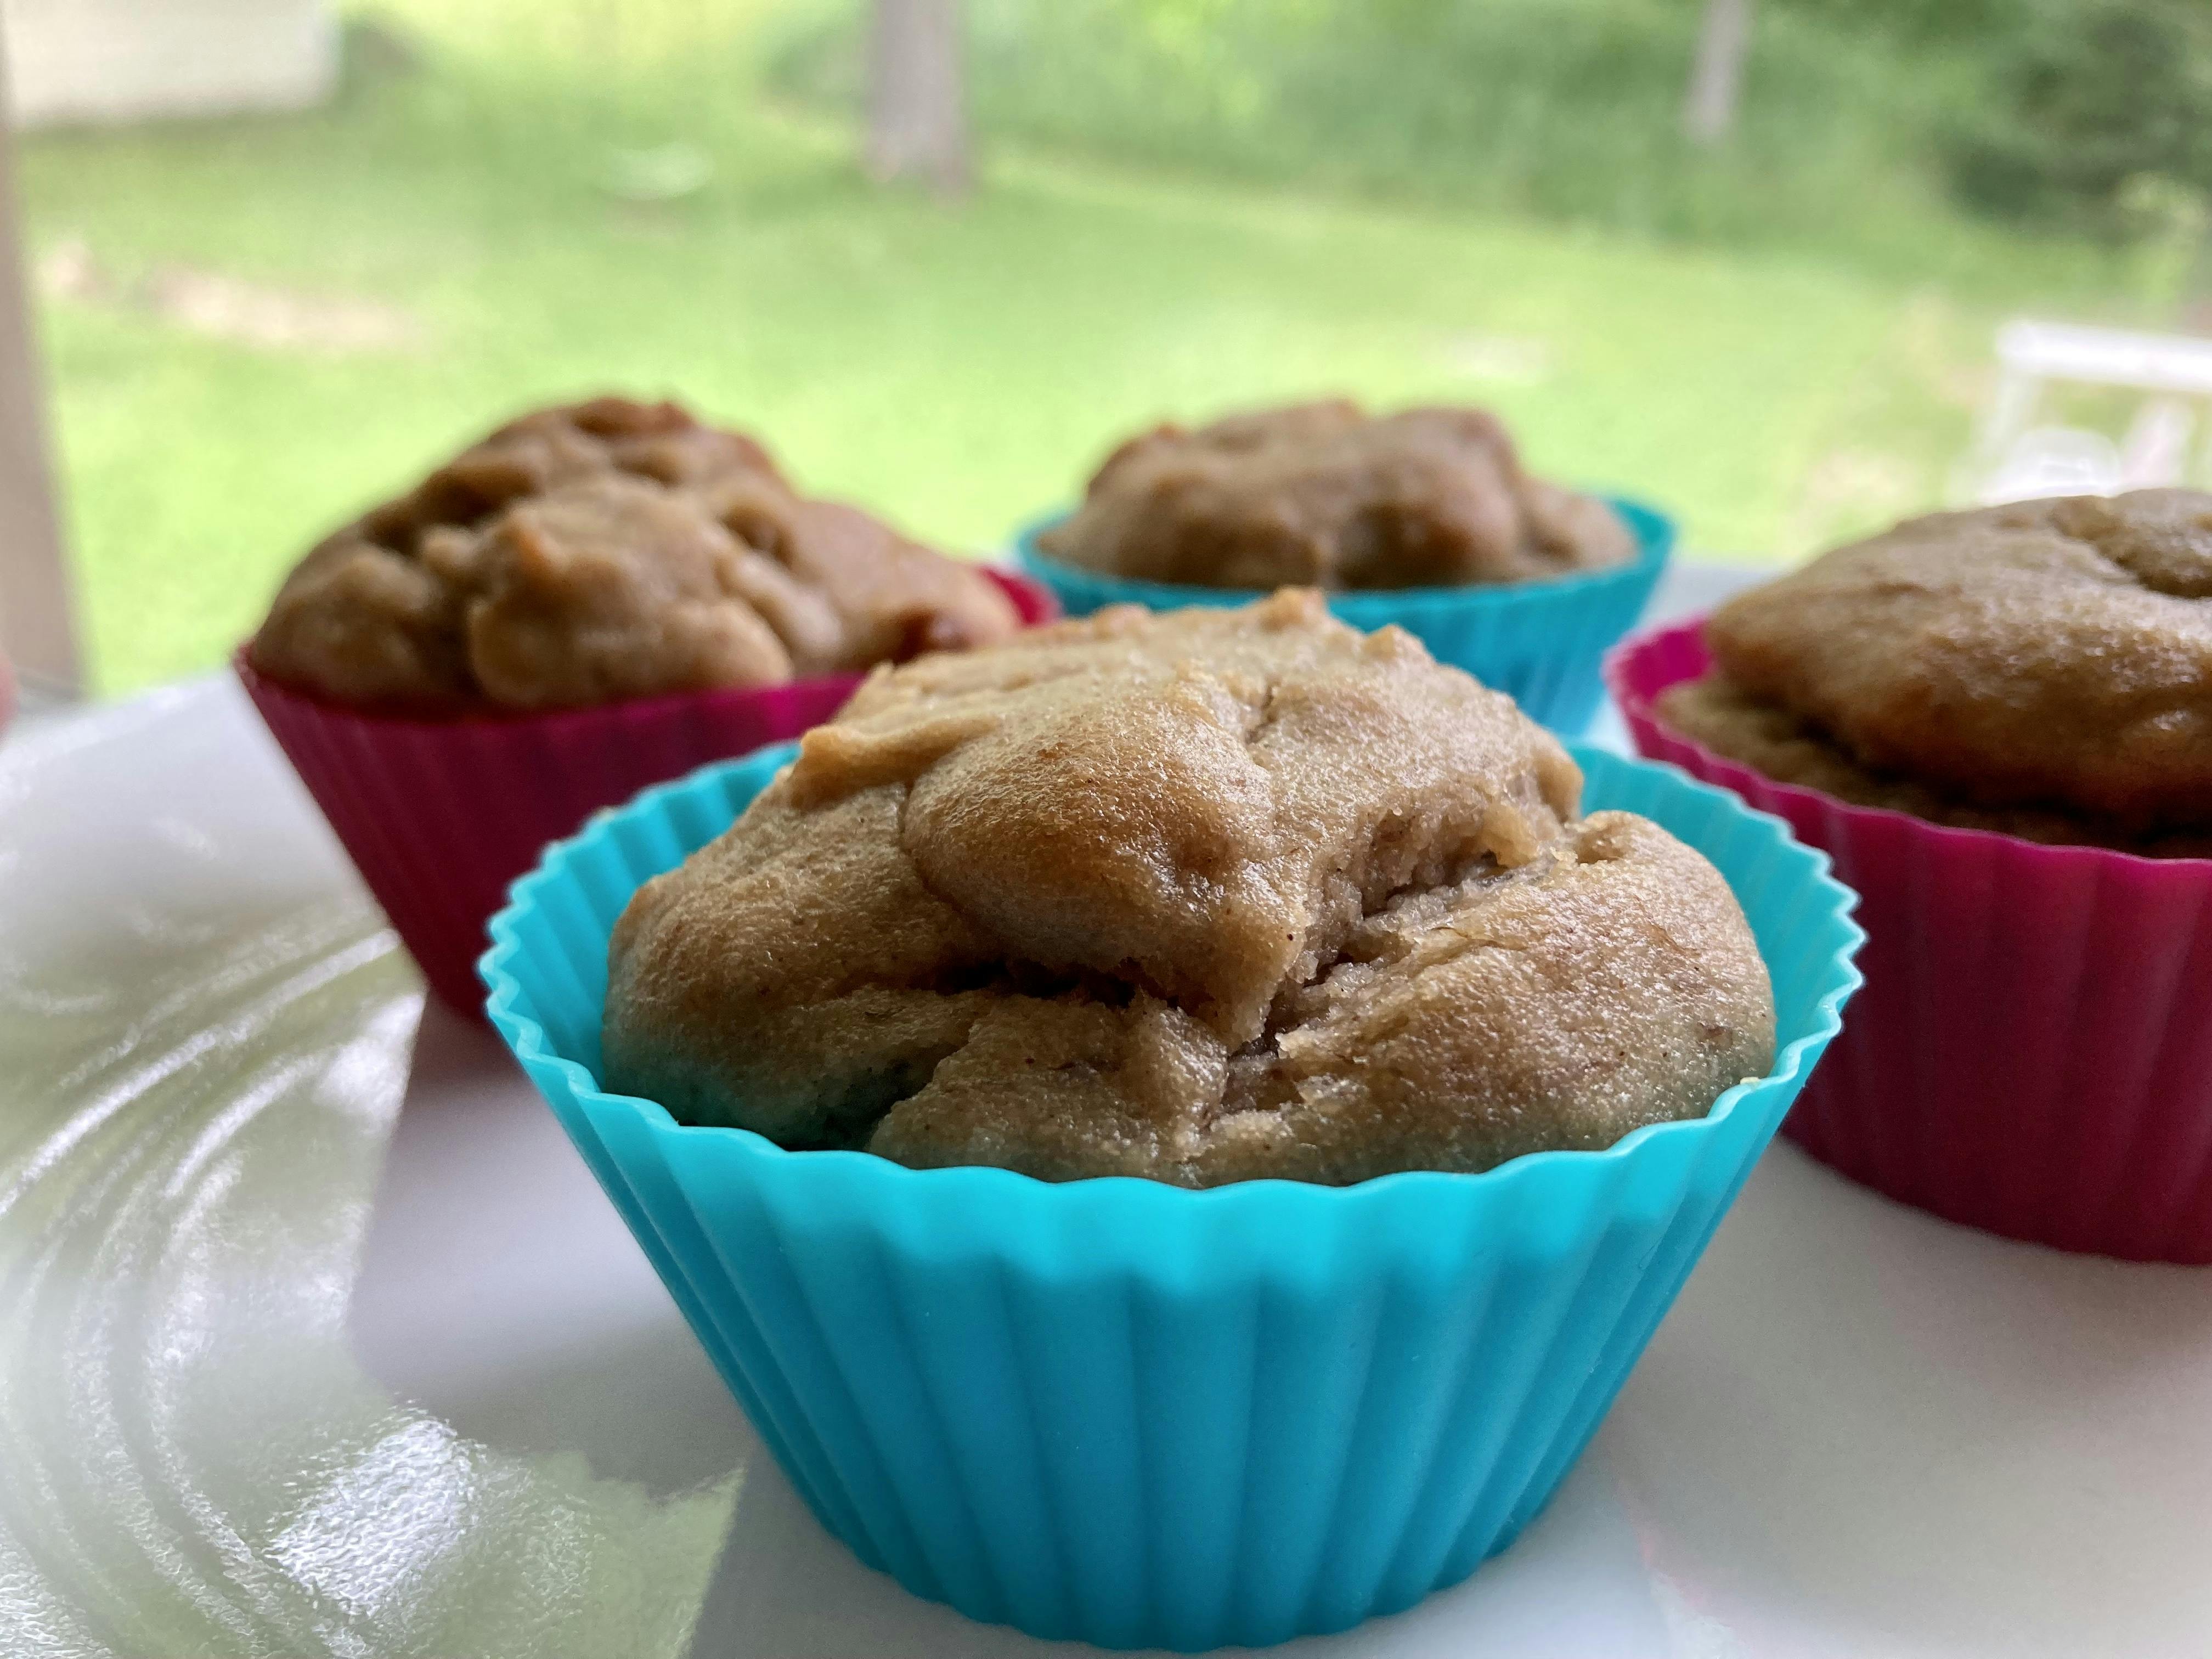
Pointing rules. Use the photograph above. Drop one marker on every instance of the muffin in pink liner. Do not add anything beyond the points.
(439, 815)
(2032, 1053)
(594, 597)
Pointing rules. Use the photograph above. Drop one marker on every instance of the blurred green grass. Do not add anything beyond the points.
(957, 365)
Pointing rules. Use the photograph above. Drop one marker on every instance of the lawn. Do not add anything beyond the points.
(256, 326)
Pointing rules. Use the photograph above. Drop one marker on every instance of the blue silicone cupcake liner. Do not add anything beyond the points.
(1132, 1414)
(1541, 643)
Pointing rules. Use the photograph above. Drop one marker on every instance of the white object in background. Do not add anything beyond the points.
(107, 62)
(2156, 449)
(2054, 460)
(2015, 460)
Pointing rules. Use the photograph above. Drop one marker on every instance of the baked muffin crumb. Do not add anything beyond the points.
(2043, 669)
(1201, 897)
(1323, 494)
(604, 550)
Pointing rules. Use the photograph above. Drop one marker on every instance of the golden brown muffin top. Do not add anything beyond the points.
(1202, 896)
(607, 549)
(2054, 654)
(1322, 494)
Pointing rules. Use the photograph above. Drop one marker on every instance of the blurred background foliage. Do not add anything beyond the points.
(2096, 113)
(1864, 123)
(256, 325)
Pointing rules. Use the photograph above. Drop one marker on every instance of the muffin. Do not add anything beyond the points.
(607, 549)
(594, 598)
(1999, 723)
(2043, 669)
(1327, 495)
(1204, 897)
(1121, 1411)
(1425, 518)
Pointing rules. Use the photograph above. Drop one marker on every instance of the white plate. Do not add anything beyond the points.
(316, 1338)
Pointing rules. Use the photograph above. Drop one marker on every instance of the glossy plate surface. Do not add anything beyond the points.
(316, 1338)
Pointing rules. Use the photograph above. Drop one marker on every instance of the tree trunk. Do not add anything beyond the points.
(917, 115)
(1717, 76)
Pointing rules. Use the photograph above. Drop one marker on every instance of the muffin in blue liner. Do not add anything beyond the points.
(1541, 643)
(1135, 1414)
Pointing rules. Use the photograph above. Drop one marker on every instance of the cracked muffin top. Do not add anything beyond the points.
(1201, 897)
(1324, 495)
(602, 551)
(2044, 669)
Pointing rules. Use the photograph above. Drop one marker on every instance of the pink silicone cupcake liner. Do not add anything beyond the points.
(441, 816)
(2033, 1051)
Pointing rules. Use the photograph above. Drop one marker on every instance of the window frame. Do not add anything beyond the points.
(38, 623)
